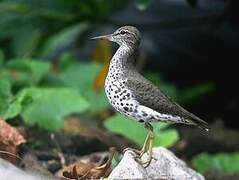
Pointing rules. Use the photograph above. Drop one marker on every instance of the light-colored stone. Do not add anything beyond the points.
(128, 166)
(10, 172)
(165, 165)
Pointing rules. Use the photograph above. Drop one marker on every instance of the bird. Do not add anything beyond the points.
(136, 97)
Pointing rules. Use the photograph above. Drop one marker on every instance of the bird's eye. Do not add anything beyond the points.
(122, 32)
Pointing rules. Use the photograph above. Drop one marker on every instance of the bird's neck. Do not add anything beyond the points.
(123, 59)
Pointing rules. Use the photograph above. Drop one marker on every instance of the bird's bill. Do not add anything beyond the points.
(102, 37)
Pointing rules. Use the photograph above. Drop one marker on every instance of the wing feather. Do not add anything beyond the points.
(147, 94)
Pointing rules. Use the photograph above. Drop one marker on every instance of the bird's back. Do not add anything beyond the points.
(149, 95)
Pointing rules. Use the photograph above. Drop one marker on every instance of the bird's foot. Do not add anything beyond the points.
(144, 163)
(136, 151)
(147, 148)
(138, 156)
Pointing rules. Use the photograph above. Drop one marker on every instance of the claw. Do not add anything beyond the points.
(136, 151)
(147, 148)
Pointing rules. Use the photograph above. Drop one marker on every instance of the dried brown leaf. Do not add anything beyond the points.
(88, 170)
(10, 138)
(9, 135)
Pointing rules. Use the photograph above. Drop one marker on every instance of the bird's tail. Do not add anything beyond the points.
(199, 123)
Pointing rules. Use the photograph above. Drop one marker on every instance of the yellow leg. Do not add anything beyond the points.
(144, 148)
(150, 144)
(147, 147)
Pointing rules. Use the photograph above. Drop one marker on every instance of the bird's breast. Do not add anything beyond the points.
(119, 96)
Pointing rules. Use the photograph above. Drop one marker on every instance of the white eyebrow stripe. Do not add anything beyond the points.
(127, 32)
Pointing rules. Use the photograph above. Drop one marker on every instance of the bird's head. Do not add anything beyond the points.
(126, 35)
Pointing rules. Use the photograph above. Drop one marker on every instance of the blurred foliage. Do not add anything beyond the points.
(102, 54)
(7, 110)
(22, 72)
(44, 93)
(40, 28)
(48, 106)
(164, 136)
(63, 39)
(1, 57)
(226, 163)
(142, 4)
(82, 76)
(183, 96)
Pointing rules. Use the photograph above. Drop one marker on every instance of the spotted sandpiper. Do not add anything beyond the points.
(136, 97)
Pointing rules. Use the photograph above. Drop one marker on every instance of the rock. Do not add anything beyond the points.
(9, 171)
(165, 165)
(128, 168)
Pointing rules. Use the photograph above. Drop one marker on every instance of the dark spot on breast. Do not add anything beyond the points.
(145, 114)
(157, 116)
(126, 108)
(121, 104)
(141, 120)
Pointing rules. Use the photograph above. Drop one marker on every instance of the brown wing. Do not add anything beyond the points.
(151, 96)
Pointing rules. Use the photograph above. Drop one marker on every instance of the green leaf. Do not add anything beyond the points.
(134, 131)
(126, 127)
(164, 136)
(192, 93)
(26, 71)
(226, 163)
(8, 107)
(25, 42)
(1, 58)
(183, 96)
(142, 4)
(81, 76)
(48, 106)
(13, 110)
(192, 3)
(5, 96)
(64, 38)
(66, 60)
(97, 99)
